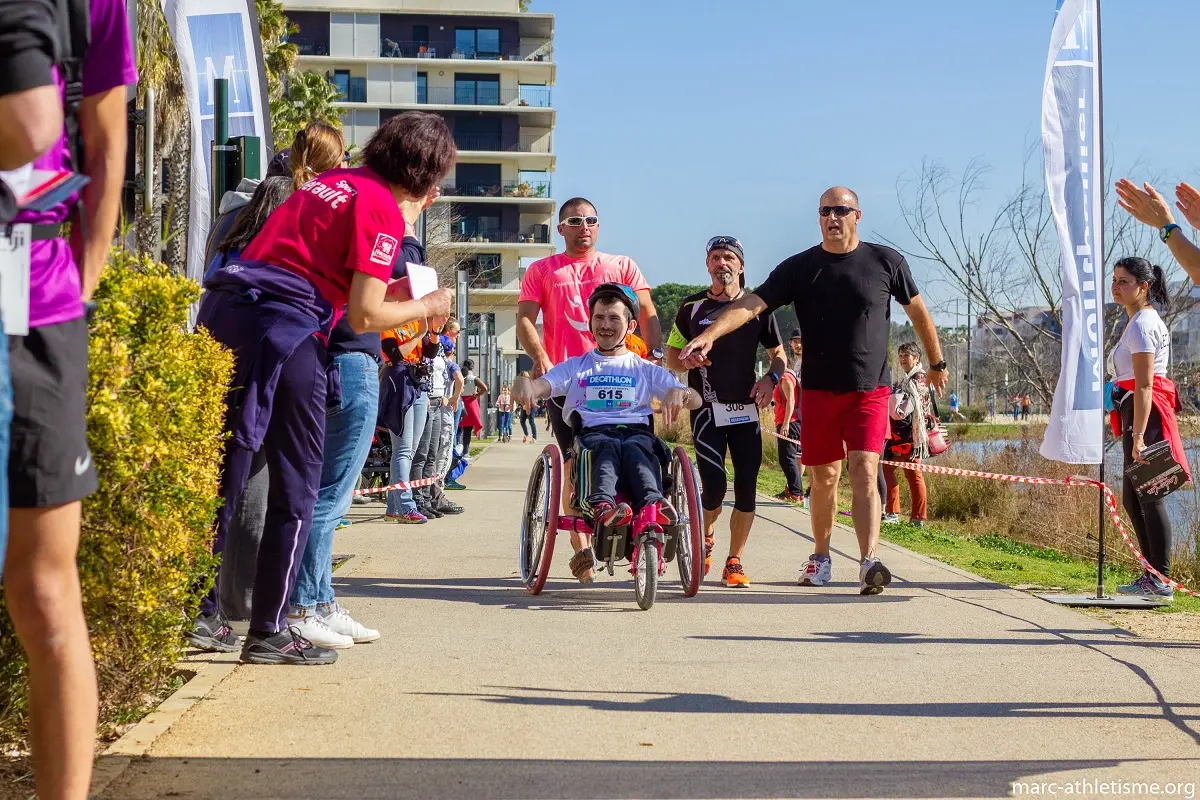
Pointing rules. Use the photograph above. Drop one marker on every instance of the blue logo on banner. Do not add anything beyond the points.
(219, 47)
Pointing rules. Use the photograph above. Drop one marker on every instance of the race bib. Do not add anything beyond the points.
(14, 280)
(726, 414)
(609, 392)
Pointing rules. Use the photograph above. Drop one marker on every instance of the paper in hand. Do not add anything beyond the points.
(422, 280)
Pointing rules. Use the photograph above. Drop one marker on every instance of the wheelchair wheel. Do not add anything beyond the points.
(539, 524)
(645, 582)
(689, 548)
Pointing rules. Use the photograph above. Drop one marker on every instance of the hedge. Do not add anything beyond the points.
(155, 427)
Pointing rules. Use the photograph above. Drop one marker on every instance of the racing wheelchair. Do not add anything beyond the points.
(643, 544)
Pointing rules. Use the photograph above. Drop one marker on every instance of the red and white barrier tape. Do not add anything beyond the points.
(401, 485)
(1110, 500)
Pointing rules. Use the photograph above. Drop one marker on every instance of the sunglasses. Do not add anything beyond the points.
(837, 211)
(722, 241)
(579, 222)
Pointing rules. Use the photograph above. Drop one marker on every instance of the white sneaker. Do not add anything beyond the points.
(873, 576)
(891, 518)
(817, 572)
(339, 620)
(313, 627)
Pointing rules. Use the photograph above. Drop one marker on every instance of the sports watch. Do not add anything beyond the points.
(938, 367)
(657, 354)
(1165, 231)
(774, 377)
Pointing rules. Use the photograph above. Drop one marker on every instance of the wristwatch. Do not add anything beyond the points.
(1165, 231)
(938, 367)
(774, 378)
(657, 354)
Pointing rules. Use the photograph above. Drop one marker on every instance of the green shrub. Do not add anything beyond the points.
(975, 414)
(155, 427)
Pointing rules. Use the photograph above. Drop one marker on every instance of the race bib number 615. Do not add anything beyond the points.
(609, 392)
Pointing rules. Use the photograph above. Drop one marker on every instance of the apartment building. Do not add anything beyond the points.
(488, 69)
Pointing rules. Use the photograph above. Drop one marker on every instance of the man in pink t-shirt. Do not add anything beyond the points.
(557, 287)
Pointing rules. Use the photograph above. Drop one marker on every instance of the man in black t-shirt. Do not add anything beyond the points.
(842, 292)
(728, 420)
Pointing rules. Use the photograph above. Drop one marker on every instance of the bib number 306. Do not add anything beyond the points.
(726, 414)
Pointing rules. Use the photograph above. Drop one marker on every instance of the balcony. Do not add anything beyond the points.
(529, 235)
(307, 46)
(484, 95)
(535, 189)
(393, 49)
(526, 143)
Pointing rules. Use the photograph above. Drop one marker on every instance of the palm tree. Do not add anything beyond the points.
(307, 97)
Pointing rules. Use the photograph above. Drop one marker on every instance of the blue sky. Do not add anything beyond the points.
(682, 120)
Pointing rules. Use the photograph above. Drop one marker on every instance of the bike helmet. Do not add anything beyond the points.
(615, 291)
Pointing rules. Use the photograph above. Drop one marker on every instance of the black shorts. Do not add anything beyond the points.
(49, 463)
(563, 434)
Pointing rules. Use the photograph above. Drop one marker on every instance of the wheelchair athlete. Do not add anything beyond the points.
(610, 390)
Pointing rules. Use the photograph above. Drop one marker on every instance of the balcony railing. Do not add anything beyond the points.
(307, 46)
(486, 95)
(504, 236)
(393, 49)
(509, 189)
(526, 143)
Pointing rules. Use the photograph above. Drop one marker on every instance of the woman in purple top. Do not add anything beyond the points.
(50, 467)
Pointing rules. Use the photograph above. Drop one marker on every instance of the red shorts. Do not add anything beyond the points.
(835, 422)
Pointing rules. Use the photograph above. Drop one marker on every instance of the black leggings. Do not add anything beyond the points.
(1149, 516)
(744, 445)
(528, 424)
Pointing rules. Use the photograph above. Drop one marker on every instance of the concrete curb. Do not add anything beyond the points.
(136, 742)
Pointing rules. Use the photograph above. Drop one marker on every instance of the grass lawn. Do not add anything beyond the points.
(997, 558)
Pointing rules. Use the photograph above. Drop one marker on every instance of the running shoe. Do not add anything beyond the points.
(450, 508)
(285, 647)
(918, 523)
(413, 517)
(873, 576)
(455, 485)
(342, 523)
(313, 627)
(890, 518)
(1147, 586)
(708, 548)
(818, 571)
(733, 575)
(213, 635)
(340, 621)
(609, 516)
(666, 514)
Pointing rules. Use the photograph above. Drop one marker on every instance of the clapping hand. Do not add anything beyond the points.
(1145, 204)
(1188, 202)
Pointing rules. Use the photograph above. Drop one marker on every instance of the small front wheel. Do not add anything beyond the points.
(645, 582)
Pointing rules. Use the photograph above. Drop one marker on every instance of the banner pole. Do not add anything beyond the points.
(1099, 144)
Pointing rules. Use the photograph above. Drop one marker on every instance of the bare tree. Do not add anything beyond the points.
(1006, 263)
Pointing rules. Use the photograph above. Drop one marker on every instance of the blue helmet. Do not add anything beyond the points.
(615, 291)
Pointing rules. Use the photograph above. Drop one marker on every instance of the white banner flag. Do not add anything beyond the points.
(217, 39)
(1074, 173)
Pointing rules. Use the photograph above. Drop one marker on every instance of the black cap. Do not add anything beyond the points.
(616, 291)
(795, 334)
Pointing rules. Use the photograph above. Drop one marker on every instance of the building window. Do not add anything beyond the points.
(421, 35)
(422, 87)
(341, 79)
(477, 42)
(477, 180)
(483, 227)
(484, 272)
(477, 90)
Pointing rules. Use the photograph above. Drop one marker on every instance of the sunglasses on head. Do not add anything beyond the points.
(578, 222)
(837, 211)
(723, 241)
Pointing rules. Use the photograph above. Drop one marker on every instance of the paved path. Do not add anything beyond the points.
(944, 686)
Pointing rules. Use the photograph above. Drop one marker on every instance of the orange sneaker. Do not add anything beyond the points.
(733, 574)
(708, 546)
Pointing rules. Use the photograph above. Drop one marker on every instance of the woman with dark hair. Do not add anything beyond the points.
(329, 251)
(1145, 402)
(248, 221)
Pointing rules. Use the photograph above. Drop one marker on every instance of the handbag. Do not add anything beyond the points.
(939, 437)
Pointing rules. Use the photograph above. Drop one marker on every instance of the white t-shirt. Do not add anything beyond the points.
(1145, 333)
(437, 377)
(610, 390)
